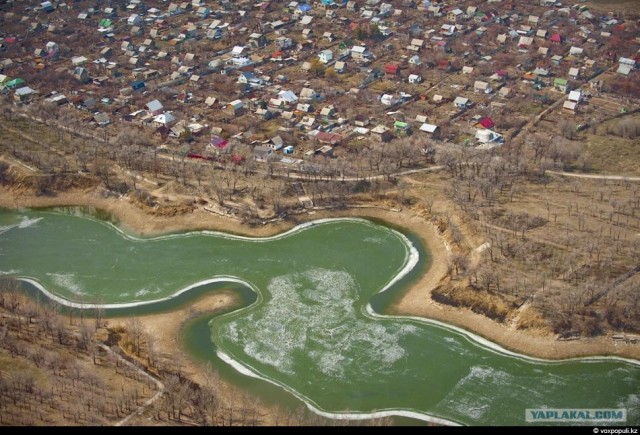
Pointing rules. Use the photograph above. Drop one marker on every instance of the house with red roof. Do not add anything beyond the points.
(391, 70)
(556, 38)
(487, 123)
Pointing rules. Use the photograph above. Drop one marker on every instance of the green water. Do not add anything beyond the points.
(310, 329)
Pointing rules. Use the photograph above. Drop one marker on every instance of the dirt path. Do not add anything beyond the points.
(594, 176)
(149, 402)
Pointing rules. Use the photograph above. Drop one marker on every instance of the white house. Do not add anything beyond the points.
(164, 120)
(574, 73)
(415, 60)
(624, 69)
(325, 56)
(308, 94)
(462, 102)
(154, 107)
(238, 51)
(485, 136)
(288, 97)
(360, 52)
(429, 128)
(575, 96)
(134, 20)
(414, 79)
(389, 100)
(480, 86)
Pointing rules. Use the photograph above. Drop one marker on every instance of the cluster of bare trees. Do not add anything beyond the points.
(573, 255)
(59, 375)
(628, 128)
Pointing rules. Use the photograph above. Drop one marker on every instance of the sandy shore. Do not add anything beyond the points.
(416, 301)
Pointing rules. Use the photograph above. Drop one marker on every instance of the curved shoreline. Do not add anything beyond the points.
(416, 302)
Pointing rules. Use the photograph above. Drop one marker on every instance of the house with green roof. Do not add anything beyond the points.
(561, 85)
(11, 84)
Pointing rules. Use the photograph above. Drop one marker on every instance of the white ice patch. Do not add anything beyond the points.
(374, 240)
(68, 281)
(5, 228)
(26, 222)
(141, 292)
(312, 313)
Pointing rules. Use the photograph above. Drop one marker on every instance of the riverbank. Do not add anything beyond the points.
(415, 302)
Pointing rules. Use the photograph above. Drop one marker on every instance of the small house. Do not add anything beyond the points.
(561, 85)
(332, 139)
(154, 107)
(576, 51)
(525, 42)
(283, 43)
(401, 127)
(235, 107)
(203, 12)
(275, 143)
(556, 38)
(78, 60)
(389, 100)
(391, 70)
(257, 40)
(486, 136)
(415, 60)
(623, 69)
(307, 123)
(359, 52)
(504, 92)
(325, 56)
(164, 120)
(134, 20)
(570, 106)
(575, 96)
(262, 153)
(361, 120)
(138, 85)
(444, 65)
(382, 133)
(455, 15)
(480, 86)
(431, 130)
(308, 94)
(486, 122)
(81, 74)
(574, 73)
(304, 108)
(325, 150)
(462, 103)
(416, 45)
(415, 79)
(328, 112)
(102, 119)
(24, 94)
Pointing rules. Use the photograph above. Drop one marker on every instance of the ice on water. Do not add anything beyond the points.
(68, 281)
(312, 319)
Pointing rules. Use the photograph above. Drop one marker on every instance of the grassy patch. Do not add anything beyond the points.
(613, 155)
